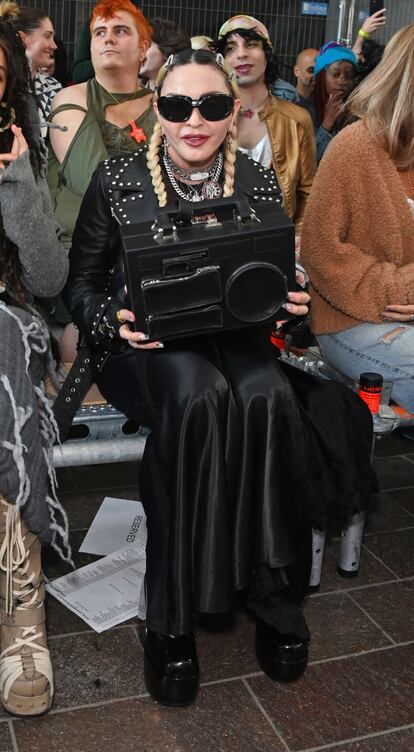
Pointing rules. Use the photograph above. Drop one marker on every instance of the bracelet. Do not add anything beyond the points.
(364, 34)
(105, 329)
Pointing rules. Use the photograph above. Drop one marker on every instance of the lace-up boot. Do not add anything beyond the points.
(26, 674)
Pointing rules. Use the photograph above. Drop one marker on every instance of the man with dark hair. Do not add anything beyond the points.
(274, 132)
(168, 38)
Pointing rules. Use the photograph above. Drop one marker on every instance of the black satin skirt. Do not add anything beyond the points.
(245, 455)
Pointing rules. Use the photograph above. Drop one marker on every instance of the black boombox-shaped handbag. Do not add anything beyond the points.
(209, 267)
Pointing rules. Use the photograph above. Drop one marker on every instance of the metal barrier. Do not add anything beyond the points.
(100, 434)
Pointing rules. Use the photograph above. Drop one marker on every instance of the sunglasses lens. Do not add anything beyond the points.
(176, 109)
(216, 106)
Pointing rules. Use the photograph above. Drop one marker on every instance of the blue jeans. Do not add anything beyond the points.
(387, 349)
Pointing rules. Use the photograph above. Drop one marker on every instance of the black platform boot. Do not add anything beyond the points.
(282, 657)
(171, 667)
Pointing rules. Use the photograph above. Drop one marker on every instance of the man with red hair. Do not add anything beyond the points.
(82, 68)
(108, 9)
(107, 115)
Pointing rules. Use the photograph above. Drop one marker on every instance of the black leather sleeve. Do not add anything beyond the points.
(94, 253)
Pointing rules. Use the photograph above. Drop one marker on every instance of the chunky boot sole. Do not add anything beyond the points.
(170, 691)
(280, 670)
(27, 706)
(277, 668)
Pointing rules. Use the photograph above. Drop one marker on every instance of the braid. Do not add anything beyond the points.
(153, 160)
(229, 160)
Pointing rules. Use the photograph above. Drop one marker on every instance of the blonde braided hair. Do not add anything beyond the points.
(230, 148)
(153, 161)
(230, 152)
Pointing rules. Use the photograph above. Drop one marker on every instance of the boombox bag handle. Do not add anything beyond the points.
(184, 211)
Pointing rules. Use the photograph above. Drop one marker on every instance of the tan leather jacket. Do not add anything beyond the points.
(292, 139)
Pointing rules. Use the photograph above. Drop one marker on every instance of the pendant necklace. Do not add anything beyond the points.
(248, 112)
(136, 133)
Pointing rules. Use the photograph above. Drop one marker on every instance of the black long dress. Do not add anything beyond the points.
(245, 453)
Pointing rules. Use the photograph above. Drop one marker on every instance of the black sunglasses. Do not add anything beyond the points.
(177, 108)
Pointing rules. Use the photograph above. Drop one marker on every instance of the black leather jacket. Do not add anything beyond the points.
(121, 192)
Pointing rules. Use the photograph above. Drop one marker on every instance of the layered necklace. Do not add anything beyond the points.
(208, 186)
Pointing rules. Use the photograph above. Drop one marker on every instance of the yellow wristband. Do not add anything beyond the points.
(364, 34)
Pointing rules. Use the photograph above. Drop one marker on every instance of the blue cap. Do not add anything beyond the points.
(332, 52)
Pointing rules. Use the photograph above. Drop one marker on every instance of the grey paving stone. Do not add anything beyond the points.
(225, 718)
(93, 667)
(340, 700)
(339, 627)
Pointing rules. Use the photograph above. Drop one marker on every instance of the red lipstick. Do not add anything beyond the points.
(195, 140)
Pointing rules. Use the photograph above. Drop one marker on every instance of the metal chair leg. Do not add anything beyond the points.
(318, 548)
(350, 548)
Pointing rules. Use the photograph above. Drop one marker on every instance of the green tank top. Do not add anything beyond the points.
(94, 141)
(118, 140)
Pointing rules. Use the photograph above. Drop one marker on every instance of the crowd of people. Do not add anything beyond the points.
(246, 454)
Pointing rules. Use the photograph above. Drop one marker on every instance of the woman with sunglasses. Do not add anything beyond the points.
(224, 477)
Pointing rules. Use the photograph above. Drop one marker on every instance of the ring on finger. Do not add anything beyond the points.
(119, 317)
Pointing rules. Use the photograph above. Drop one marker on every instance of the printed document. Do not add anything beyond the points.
(110, 590)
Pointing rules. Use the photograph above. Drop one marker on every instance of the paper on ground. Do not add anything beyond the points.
(117, 523)
(107, 591)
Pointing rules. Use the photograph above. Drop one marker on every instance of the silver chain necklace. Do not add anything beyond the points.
(189, 174)
(195, 193)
